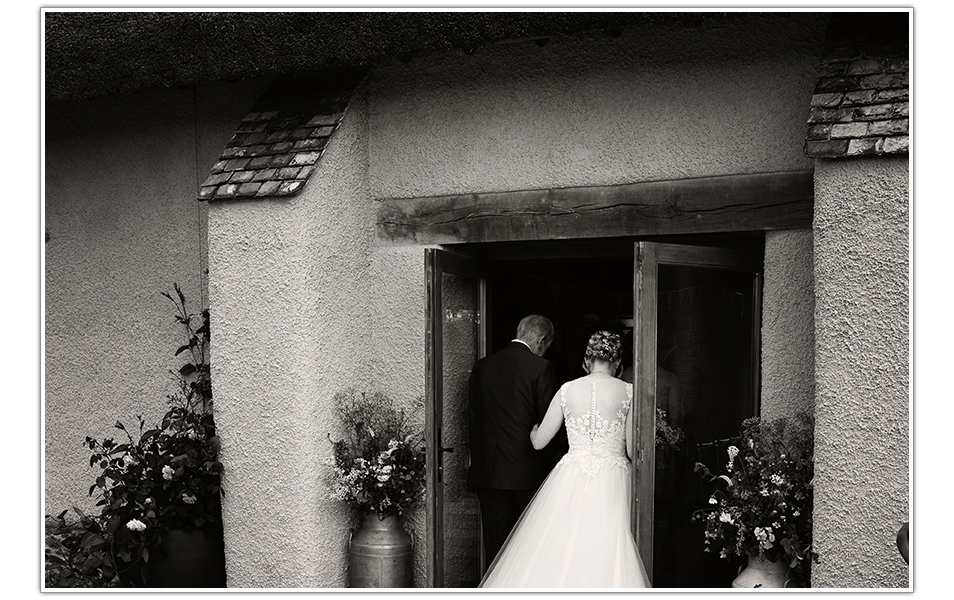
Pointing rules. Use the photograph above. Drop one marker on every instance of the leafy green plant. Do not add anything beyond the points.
(764, 504)
(154, 479)
(378, 466)
(65, 558)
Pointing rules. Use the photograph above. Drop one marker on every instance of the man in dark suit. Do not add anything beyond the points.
(509, 393)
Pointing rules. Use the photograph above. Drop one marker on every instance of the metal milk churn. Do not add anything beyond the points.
(380, 554)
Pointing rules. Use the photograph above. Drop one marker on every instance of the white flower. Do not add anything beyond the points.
(135, 525)
(796, 513)
(777, 479)
(712, 500)
(725, 517)
(168, 472)
(383, 473)
(733, 452)
(188, 498)
(765, 537)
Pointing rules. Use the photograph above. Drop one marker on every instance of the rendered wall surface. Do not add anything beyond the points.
(788, 333)
(654, 104)
(307, 308)
(123, 225)
(862, 471)
(396, 365)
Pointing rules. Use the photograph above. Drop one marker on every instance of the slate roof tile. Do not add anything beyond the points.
(860, 106)
(276, 145)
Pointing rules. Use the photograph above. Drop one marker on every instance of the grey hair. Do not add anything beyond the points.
(534, 327)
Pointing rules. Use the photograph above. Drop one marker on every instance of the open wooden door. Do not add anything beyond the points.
(696, 345)
(456, 337)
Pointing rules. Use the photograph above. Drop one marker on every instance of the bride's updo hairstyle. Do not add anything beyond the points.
(605, 346)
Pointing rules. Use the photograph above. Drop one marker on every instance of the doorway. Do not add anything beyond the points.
(705, 376)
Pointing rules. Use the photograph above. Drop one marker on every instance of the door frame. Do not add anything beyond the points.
(647, 258)
(645, 253)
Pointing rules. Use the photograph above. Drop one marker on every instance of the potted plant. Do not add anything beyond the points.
(159, 486)
(378, 470)
(762, 508)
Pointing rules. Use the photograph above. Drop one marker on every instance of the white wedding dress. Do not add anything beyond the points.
(576, 531)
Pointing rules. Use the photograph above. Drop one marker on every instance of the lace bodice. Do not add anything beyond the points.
(597, 430)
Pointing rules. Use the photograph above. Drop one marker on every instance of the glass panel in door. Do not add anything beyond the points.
(456, 339)
(698, 353)
(704, 385)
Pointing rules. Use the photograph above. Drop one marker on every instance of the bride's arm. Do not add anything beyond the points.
(541, 434)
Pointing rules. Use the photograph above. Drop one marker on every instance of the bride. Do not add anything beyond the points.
(576, 531)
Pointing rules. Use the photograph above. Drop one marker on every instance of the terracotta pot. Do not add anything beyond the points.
(191, 560)
(762, 573)
(380, 554)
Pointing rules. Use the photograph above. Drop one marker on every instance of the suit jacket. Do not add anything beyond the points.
(509, 393)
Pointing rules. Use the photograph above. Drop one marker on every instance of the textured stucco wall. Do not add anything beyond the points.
(396, 364)
(862, 371)
(655, 103)
(788, 333)
(120, 182)
(305, 308)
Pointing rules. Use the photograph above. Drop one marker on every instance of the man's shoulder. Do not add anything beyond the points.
(528, 361)
(514, 352)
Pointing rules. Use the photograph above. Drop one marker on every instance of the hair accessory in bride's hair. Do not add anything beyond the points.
(604, 345)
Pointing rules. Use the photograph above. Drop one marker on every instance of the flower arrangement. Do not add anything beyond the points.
(764, 503)
(667, 436)
(157, 478)
(378, 466)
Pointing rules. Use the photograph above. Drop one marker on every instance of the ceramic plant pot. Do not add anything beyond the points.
(762, 573)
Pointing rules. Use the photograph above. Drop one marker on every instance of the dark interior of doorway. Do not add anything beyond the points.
(579, 295)
(582, 286)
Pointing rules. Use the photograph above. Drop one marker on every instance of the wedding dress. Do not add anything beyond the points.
(575, 533)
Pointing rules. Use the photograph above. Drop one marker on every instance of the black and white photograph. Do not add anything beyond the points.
(477, 298)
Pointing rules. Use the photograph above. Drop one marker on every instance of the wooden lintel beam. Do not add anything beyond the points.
(751, 202)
